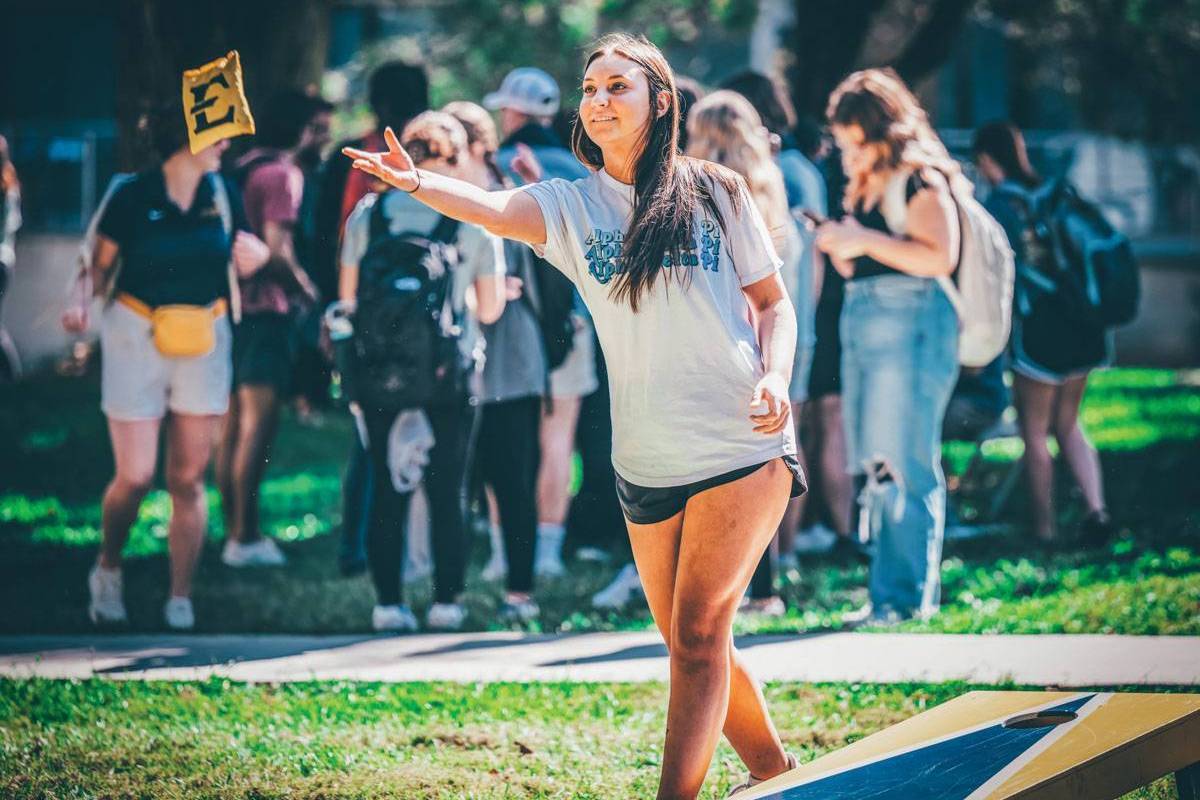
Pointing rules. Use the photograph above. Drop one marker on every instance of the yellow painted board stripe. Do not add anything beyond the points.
(1132, 739)
(968, 711)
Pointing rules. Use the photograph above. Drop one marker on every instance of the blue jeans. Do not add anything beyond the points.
(899, 364)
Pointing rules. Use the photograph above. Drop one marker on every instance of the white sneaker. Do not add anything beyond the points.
(179, 614)
(105, 587)
(817, 539)
(261, 553)
(550, 566)
(496, 569)
(752, 781)
(393, 618)
(621, 590)
(521, 611)
(547, 561)
(593, 554)
(446, 617)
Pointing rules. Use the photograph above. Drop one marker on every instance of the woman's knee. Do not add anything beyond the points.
(700, 636)
(133, 483)
(185, 486)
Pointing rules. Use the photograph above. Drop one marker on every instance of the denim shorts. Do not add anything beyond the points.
(647, 506)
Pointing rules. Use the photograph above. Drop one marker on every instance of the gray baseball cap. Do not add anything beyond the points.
(528, 90)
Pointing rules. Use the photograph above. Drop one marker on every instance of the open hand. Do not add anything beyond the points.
(394, 166)
(770, 408)
(845, 240)
(526, 164)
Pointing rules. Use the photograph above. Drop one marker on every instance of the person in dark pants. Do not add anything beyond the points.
(397, 92)
(440, 143)
(595, 520)
(507, 452)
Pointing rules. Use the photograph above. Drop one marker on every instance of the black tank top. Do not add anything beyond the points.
(865, 266)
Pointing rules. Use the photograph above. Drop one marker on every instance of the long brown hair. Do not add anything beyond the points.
(667, 187)
(889, 114)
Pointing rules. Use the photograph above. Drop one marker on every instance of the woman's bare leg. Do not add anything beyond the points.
(135, 451)
(1079, 453)
(190, 440)
(723, 534)
(747, 724)
(1035, 404)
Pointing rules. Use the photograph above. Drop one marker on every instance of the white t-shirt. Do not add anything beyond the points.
(682, 370)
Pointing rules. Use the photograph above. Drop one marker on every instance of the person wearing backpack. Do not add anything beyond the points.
(165, 244)
(1053, 347)
(527, 100)
(264, 343)
(515, 375)
(405, 272)
(899, 330)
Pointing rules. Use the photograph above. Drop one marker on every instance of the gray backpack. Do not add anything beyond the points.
(981, 287)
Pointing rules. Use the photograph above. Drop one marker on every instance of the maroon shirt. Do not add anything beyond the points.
(271, 193)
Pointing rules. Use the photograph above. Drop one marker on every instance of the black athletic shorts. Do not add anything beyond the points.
(264, 351)
(646, 506)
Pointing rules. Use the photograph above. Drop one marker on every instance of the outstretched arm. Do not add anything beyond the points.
(511, 214)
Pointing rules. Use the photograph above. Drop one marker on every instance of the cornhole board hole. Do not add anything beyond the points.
(1028, 745)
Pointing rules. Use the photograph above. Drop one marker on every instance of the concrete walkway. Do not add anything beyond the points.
(1050, 660)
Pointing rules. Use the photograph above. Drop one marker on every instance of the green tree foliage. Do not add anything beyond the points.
(484, 39)
(1132, 65)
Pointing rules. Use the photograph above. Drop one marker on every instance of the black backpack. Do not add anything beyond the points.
(1075, 255)
(406, 351)
(552, 301)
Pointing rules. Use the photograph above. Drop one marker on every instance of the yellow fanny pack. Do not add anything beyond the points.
(179, 331)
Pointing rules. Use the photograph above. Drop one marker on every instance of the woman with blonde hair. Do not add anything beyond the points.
(724, 127)
(899, 330)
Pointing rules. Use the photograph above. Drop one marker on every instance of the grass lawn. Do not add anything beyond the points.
(1146, 423)
(128, 739)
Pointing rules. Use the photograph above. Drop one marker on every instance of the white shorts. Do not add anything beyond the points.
(137, 382)
(576, 377)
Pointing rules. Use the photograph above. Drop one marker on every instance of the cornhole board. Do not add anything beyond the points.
(1028, 745)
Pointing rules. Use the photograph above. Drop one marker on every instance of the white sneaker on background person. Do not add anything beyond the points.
(260, 553)
(621, 590)
(105, 587)
(814, 540)
(547, 559)
(446, 617)
(393, 618)
(179, 614)
(519, 608)
(593, 555)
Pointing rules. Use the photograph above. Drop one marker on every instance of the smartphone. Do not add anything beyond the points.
(814, 219)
